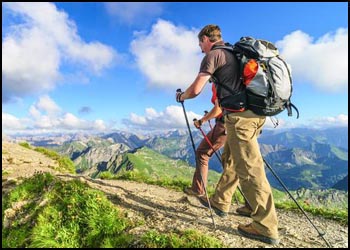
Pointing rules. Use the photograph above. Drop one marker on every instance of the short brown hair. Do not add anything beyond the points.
(212, 31)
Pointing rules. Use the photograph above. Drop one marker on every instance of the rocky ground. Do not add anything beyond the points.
(165, 210)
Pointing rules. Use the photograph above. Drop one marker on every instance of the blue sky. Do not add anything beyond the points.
(99, 67)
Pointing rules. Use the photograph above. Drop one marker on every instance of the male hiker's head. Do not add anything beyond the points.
(209, 35)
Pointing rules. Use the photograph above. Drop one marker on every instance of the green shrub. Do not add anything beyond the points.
(25, 144)
(64, 162)
(185, 239)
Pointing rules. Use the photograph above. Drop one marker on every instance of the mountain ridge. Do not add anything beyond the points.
(300, 157)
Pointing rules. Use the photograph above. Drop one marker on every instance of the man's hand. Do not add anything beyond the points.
(178, 96)
(197, 123)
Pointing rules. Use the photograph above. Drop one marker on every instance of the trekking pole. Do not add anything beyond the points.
(208, 141)
(302, 210)
(206, 112)
(211, 128)
(211, 146)
(195, 155)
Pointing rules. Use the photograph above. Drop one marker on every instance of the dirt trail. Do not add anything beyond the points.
(165, 210)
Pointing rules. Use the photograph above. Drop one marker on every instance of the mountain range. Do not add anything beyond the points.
(302, 158)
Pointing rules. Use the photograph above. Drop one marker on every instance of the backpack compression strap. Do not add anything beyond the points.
(289, 107)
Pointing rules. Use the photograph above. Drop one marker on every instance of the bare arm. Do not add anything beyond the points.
(196, 87)
(213, 113)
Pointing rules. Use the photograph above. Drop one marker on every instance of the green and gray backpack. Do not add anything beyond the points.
(265, 74)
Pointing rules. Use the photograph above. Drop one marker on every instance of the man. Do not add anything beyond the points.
(243, 158)
(217, 138)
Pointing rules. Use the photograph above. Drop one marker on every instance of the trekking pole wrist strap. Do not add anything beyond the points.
(179, 96)
(200, 122)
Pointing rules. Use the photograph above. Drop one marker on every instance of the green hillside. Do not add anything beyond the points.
(341, 154)
(319, 166)
(148, 164)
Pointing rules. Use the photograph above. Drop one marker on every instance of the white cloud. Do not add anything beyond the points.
(34, 50)
(340, 120)
(169, 56)
(10, 122)
(171, 118)
(132, 13)
(30, 63)
(70, 121)
(44, 113)
(330, 121)
(47, 105)
(138, 120)
(94, 55)
(46, 122)
(99, 125)
(34, 112)
(45, 116)
(323, 62)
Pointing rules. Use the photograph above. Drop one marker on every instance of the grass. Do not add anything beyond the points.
(65, 164)
(25, 145)
(73, 215)
(46, 212)
(185, 239)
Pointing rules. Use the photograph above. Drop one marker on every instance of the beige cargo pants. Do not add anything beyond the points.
(243, 163)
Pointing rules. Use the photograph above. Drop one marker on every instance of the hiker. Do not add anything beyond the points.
(217, 137)
(242, 126)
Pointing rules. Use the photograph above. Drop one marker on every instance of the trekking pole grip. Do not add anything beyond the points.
(199, 121)
(179, 93)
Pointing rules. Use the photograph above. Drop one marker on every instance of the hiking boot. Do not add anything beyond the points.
(244, 211)
(190, 191)
(249, 232)
(218, 212)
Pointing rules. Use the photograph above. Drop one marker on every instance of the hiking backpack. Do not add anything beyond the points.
(267, 77)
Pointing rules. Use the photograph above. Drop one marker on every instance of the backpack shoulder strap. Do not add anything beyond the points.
(229, 47)
(226, 46)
